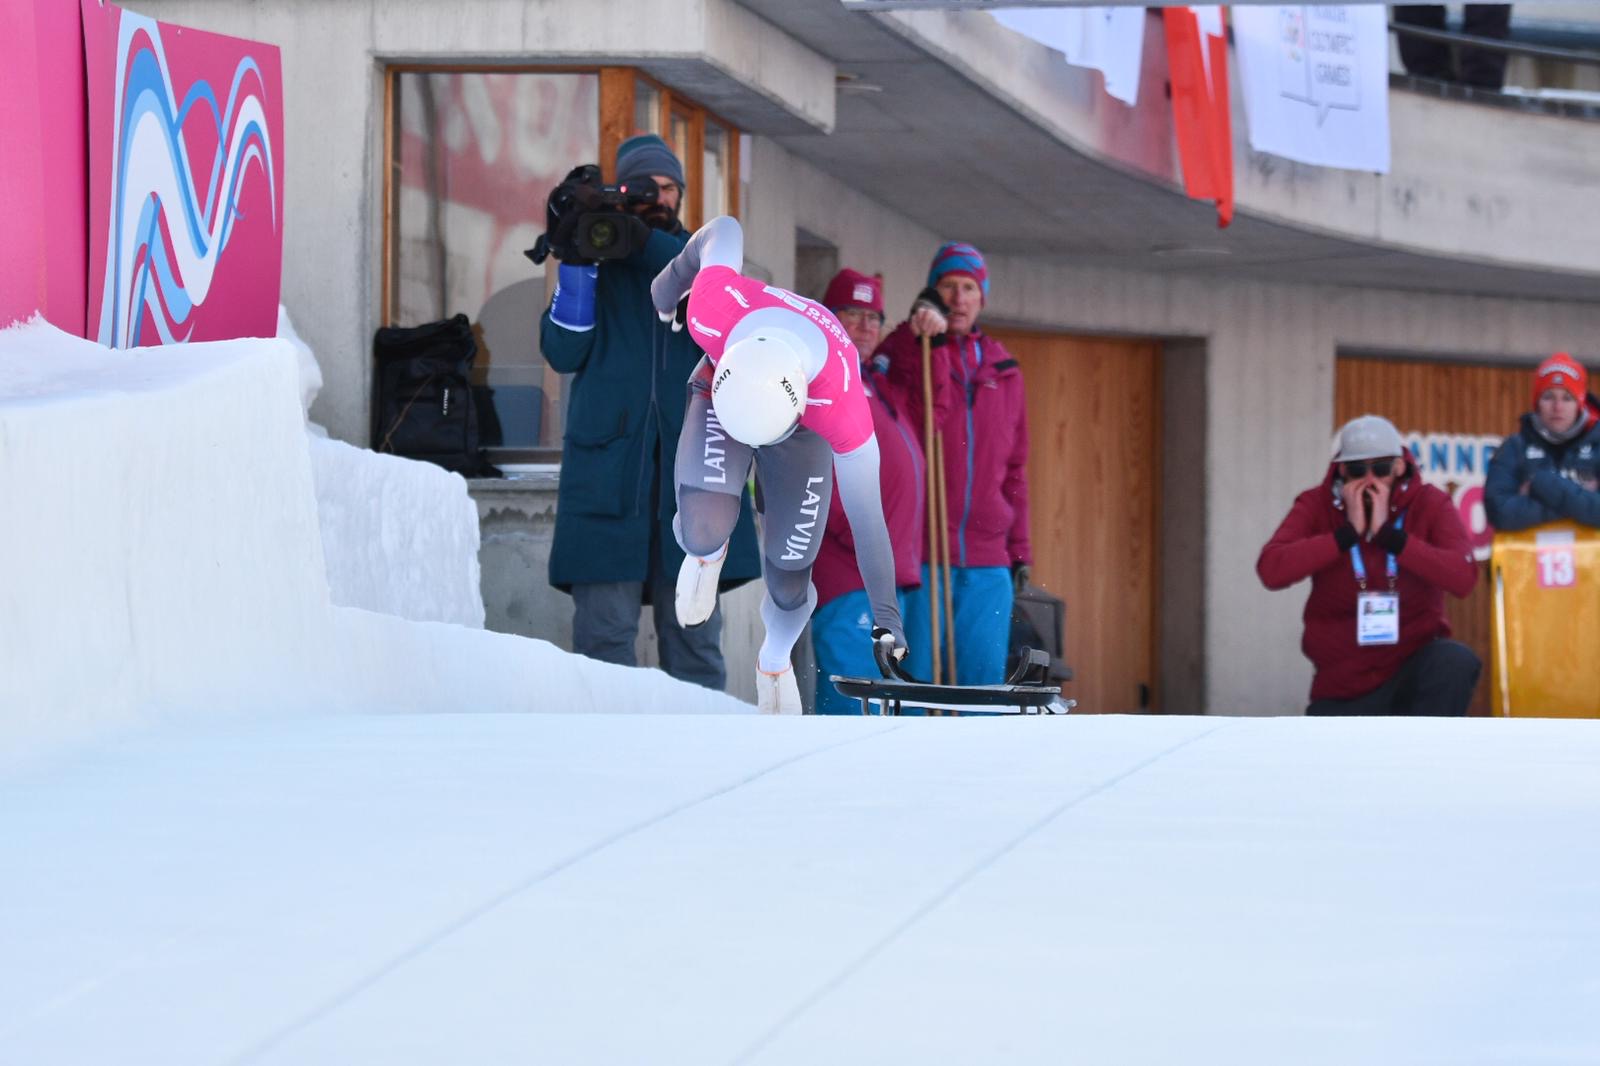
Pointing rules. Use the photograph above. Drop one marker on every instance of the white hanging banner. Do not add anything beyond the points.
(1315, 79)
(1107, 39)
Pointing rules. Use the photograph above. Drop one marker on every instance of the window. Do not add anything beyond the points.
(472, 156)
(647, 101)
(718, 172)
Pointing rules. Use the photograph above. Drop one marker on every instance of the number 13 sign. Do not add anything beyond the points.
(1558, 565)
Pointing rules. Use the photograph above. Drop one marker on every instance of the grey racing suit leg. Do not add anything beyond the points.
(710, 469)
(794, 480)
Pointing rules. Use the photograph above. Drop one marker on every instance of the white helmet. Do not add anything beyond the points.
(759, 388)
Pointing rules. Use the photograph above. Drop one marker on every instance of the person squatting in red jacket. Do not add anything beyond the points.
(841, 628)
(985, 429)
(1381, 549)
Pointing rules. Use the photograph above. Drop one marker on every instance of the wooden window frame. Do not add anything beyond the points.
(616, 125)
(617, 88)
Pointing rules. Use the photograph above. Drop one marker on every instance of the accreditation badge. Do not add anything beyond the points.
(1377, 618)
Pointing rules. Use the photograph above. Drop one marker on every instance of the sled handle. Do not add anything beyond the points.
(1029, 660)
(888, 665)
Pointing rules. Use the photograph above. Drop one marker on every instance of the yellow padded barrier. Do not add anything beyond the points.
(1545, 654)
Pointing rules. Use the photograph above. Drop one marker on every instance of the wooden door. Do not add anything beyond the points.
(1426, 398)
(1094, 418)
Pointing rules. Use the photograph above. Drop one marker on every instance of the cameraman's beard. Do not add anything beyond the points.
(661, 218)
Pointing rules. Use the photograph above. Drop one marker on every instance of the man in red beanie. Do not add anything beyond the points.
(1550, 468)
(842, 625)
(1381, 549)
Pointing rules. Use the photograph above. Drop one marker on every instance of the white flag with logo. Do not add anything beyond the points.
(1316, 82)
(1107, 39)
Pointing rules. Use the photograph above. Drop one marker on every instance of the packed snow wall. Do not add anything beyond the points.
(163, 556)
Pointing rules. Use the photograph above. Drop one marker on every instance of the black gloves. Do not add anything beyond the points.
(1391, 540)
(930, 297)
(1388, 538)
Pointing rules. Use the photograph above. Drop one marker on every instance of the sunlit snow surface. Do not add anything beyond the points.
(201, 862)
(712, 889)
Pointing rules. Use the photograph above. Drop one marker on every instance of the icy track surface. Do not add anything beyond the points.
(560, 889)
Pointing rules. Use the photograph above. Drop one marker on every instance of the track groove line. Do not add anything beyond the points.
(853, 967)
(332, 1003)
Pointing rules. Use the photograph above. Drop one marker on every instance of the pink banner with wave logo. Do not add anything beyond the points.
(42, 179)
(185, 181)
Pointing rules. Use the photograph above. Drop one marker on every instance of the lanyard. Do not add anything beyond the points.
(1390, 567)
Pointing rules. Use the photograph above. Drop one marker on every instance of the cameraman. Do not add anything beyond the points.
(614, 546)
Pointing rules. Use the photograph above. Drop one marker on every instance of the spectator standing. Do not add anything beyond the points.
(1381, 549)
(841, 627)
(1480, 68)
(1550, 468)
(614, 549)
(985, 433)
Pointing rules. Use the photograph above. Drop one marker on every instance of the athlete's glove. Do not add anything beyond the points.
(677, 317)
(890, 653)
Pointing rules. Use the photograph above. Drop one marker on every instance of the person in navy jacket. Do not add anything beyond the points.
(1550, 468)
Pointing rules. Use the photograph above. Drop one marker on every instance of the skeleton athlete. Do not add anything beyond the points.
(779, 386)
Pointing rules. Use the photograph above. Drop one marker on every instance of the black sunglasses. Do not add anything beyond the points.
(1358, 468)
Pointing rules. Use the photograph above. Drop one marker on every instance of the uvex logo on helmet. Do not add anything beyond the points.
(788, 388)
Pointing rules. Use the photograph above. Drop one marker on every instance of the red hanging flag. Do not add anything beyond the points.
(1197, 58)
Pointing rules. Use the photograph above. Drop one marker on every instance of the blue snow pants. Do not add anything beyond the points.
(841, 637)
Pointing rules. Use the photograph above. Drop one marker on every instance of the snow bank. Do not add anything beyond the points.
(162, 554)
(310, 372)
(399, 537)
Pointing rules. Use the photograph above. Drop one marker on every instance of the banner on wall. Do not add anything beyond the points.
(1457, 464)
(185, 181)
(22, 188)
(1316, 82)
(1107, 39)
(43, 230)
(1197, 61)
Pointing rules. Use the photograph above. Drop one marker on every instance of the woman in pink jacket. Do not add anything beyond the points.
(985, 429)
(842, 625)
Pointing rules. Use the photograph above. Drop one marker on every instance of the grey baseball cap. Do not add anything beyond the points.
(1367, 437)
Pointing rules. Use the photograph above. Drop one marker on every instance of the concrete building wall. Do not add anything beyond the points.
(1266, 351)
(1267, 355)
(1458, 175)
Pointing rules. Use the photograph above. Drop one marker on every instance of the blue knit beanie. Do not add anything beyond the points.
(959, 257)
(645, 156)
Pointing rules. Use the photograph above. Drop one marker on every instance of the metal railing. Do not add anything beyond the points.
(1494, 44)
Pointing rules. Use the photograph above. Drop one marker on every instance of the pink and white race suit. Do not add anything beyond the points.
(794, 477)
(725, 306)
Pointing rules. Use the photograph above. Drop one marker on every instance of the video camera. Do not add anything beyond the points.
(587, 220)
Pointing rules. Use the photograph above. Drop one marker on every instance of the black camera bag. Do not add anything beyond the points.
(1039, 620)
(424, 406)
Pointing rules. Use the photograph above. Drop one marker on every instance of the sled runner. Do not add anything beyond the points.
(1024, 692)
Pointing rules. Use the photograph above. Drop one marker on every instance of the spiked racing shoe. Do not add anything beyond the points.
(777, 693)
(696, 596)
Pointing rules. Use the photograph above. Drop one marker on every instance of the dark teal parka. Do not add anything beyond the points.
(629, 387)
